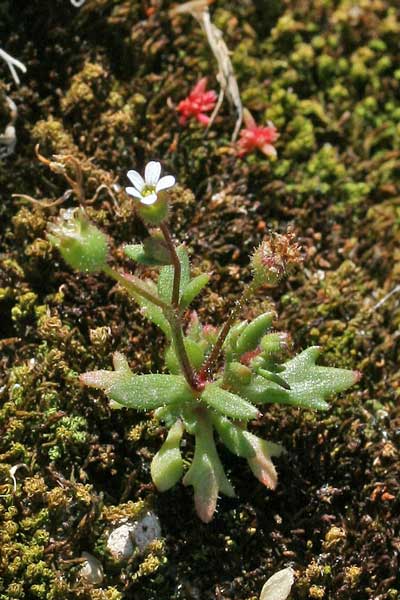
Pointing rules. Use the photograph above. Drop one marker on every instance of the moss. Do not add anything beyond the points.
(316, 592)
(129, 510)
(52, 136)
(84, 86)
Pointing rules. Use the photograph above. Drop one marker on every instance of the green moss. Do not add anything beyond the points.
(52, 136)
(84, 86)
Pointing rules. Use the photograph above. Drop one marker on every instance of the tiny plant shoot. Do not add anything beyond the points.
(217, 379)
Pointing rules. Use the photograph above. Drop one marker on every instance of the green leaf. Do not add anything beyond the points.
(195, 354)
(136, 252)
(193, 288)
(152, 311)
(231, 339)
(143, 392)
(310, 384)
(253, 332)
(206, 473)
(228, 404)
(167, 464)
(233, 436)
(166, 278)
(152, 252)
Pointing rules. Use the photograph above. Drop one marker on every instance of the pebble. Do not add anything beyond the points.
(123, 539)
(91, 570)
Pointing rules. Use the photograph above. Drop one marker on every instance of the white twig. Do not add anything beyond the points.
(395, 290)
(13, 64)
(12, 472)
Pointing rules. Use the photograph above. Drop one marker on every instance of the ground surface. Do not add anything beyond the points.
(101, 85)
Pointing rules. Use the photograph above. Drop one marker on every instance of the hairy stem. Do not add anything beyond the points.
(175, 262)
(177, 335)
(133, 285)
(174, 318)
(206, 370)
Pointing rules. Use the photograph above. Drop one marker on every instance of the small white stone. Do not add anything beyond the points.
(120, 541)
(278, 586)
(129, 535)
(91, 570)
(147, 529)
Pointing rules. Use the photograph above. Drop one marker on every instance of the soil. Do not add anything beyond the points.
(101, 86)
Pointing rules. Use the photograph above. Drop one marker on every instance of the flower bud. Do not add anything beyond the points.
(81, 244)
(156, 213)
(274, 343)
(272, 258)
(237, 374)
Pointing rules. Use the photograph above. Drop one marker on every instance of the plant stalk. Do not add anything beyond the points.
(175, 262)
(206, 370)
(174, 318)
(177, 335)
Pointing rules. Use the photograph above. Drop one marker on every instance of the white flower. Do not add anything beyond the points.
(146, 189)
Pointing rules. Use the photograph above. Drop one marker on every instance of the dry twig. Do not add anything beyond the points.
(226, 75)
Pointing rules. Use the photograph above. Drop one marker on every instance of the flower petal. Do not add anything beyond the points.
(133, 192)
(200, 87)
(149, 199)
(152, 172)
(268, 150)
(136, 179)
(165, 182)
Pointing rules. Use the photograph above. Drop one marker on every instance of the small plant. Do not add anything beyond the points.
(216, 378)
(199, 101)
(253, 137)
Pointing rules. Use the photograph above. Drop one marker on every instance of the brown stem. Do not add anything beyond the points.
(134, 286)
(205, 372)
(175, 321)
(175, 262)
(183, 358)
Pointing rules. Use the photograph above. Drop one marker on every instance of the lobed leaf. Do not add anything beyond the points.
(309, 383)
(143, 392)
(206, 473)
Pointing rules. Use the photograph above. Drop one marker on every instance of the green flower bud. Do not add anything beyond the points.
(274, 343)
(81, 244)
(237, 374)
(154, 214)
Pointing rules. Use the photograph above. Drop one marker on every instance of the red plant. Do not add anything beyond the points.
(252, 137)
(197, 103)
